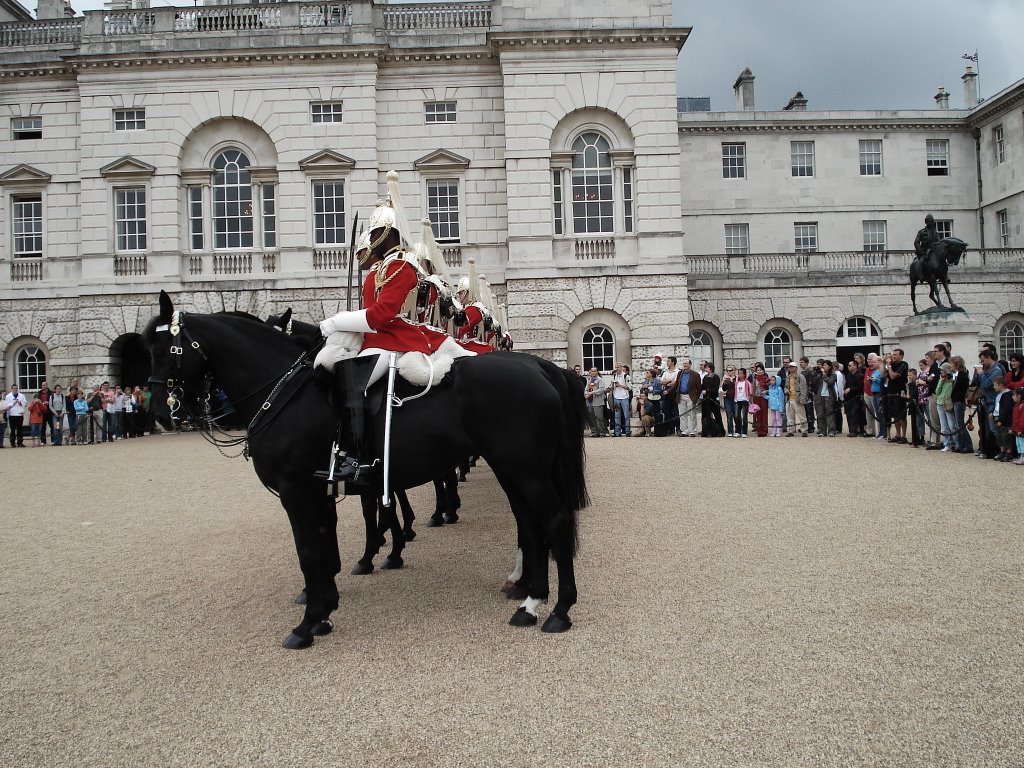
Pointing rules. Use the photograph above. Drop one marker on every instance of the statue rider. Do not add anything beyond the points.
(926, 238)
(391, 278)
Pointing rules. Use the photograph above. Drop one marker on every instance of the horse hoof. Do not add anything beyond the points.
(451, 518)
(326, 626)
(462, 478)
(296, 642)
(392, 563)
(300, 599)
(522, 618)
(435, 522)
(362, 570)
(409, 534)
(556, 623)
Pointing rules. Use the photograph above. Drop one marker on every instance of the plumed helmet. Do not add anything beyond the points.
(383, 217)
(464, 284)
(363, 240)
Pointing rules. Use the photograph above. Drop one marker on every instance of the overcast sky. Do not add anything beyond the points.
(870, 54)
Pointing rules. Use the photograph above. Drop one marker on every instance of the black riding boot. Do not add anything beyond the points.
(350, 380)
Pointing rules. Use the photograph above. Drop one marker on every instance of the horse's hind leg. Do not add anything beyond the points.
(440, 504)
(407, 515)
(389, 517)
(331, 558)
(913, 295)
(945, 284)
(451, 491)
(368, 502)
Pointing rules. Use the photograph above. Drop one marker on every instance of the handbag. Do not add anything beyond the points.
(972, 395)
(755, 408)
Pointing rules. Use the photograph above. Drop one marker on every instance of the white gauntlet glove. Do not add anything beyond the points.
(346, 321)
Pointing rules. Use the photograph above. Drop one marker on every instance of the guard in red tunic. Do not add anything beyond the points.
(467, 331)
(392, 277)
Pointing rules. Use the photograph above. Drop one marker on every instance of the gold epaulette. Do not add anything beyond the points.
(381, 277)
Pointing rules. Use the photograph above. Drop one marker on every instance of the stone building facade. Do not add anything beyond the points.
(220, 152)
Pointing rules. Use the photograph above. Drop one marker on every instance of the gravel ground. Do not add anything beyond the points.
(755, 602)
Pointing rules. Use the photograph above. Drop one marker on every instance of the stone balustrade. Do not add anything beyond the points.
(48, 32)
(429, 16)
(594, 249)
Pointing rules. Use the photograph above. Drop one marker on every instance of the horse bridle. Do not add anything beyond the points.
(176, 386)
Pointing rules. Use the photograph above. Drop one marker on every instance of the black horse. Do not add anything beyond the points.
(446, 488)
(933, 269)
(533, 442)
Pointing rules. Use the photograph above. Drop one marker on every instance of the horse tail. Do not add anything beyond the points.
(568, 473)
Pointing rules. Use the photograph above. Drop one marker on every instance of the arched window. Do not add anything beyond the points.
(1011, 338)
(592, 188)
(702, 347)
(232, 201)
(30, 368)
(858, 328)
(598, 349)
(777, 343)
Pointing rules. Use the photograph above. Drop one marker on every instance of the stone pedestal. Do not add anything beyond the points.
(920, 333)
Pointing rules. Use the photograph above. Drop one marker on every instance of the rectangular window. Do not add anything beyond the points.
(269, 216)
(130, 218)
(874, 236)
(23, 128)
(559, 205)
(195, 218)
(998, 144)
(944, 227)
(1003, 220)
(734, 161)
(627, 199)
(325, 111)
(805, 237)
(871, 157)
(801, 155)
(737, 239)
(329, 213)
(129, 119)
(443, 210)
(938, 157)
(28, 226)
(440, 111)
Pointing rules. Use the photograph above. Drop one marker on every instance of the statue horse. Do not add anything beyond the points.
(933, 269)
(532, 440)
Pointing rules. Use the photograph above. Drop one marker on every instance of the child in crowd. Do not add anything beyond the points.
(776, 405)
(1017, 424)
(1002, 416)
(37, 413)
(81, 434)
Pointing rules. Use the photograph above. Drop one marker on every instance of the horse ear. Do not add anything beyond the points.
(166, 307)
(286, 317)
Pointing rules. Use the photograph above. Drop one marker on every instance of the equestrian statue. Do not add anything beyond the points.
(934, 256)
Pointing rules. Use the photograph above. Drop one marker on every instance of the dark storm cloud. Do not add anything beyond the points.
(872, 54)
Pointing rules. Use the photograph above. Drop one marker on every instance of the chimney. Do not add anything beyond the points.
(970, 78)
(797, 103)
(744, 89)
(942, 99)
(54, 9)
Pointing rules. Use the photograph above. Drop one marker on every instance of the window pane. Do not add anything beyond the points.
(443, 209)
(28, 226)
(737, 239)
(329, 213)
(871, 157)
(325, 111)
(777, 343)
(598, 349)
(130, 218)
(1011, 338)
(232, 201)
(439, 111)
(805, 237)
(874, 235)
(802, 158)
(30, 365)
(734, 161)
(938, 157)
(592, 196)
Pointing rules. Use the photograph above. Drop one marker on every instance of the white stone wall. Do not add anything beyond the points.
(770, 199)
(562, 14)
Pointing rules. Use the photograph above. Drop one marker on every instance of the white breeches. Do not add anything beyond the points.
(381, 368)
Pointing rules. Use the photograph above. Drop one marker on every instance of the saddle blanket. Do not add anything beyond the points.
(414, 367)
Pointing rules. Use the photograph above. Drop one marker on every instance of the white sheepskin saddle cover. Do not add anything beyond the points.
(412, 366)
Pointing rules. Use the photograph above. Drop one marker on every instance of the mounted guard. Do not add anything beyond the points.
(392, 277)
(472, 319)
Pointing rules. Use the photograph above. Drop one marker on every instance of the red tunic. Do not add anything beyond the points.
(465, 334)
(384, 293)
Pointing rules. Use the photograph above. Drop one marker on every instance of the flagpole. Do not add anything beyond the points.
(977, 61)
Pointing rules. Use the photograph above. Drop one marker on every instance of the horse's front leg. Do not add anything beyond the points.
(389, 517)
(407, 515)
(440, 505)
(306, 518)
(368, 502)
(913, 295)
(945, 285)
(452, 498)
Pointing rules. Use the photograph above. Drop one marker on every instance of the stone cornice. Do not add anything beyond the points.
(996, 106)
(823, 125)
(401, 55)
(148, 59)
(588, 38)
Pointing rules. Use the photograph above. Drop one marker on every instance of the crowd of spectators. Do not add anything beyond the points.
(77, 416)
(938, 404)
